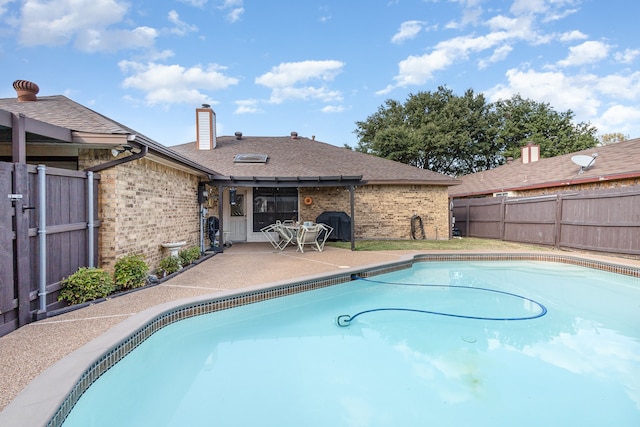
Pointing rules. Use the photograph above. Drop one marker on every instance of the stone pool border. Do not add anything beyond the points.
(49, 398)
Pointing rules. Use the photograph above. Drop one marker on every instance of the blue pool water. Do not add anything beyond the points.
(570, 356)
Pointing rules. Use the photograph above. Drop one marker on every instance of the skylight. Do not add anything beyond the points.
(251, 158)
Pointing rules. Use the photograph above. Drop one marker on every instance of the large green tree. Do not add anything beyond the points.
(434, 130)
(458, 135)
(523, 121)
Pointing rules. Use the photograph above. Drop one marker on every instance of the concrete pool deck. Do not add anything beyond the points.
(31, 350)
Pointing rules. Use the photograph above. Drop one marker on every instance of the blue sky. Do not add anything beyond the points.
(268, 68)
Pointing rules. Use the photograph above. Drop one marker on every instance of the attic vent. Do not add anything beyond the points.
(250, 158)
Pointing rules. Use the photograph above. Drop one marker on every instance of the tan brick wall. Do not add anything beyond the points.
(384, 211)
(578, 187)
(142, 204)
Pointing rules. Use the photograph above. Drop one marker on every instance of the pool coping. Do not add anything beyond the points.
(48, 399)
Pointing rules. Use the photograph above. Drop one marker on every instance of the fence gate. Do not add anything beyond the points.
(39, 247)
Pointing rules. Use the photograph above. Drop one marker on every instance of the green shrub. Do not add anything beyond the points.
(188, 256)
(130, 271)
(170, 264)
(86, 284)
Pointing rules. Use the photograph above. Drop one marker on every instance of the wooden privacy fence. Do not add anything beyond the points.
(47, 231)
(601, 220)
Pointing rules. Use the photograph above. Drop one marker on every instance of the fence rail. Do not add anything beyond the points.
(599, 220)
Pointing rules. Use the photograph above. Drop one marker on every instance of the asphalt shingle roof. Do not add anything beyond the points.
(61, 111)
(614, 161)
(287, 157)
(302, 156)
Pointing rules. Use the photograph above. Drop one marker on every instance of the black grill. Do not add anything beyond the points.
(340, 222)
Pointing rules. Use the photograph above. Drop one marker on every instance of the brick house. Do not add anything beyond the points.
(294, 177)
(609, 166)
(147, 193)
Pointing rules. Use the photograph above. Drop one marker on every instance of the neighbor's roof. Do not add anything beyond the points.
(304, 157)
(614, 162)
(61, 111)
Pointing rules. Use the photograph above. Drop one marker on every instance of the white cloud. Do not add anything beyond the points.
(562, 91)
(572, 35)
(195, 3)
(286, 79)
(247, 106)
(584, 94)
(408, 30)
(628, 56)
(3, 6)
(86, 22)
(417, 70)
(585, 53)
(549, 10)
(618, 118)
(499, 54)
(181, 28)
(174, 84)
(233, 8)
(471, 13)
(333, 109)
(620, 86)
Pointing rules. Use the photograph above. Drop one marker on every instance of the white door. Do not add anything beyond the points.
(237, 231)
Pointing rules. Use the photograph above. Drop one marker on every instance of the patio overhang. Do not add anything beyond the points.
(348, 181)
(287, 181)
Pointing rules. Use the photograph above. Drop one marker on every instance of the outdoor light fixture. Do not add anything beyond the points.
(120, 149)
(232, 196)
(124, 148)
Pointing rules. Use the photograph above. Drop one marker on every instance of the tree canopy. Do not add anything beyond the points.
(457, 135)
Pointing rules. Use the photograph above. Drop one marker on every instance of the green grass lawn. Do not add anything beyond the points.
(466, 243)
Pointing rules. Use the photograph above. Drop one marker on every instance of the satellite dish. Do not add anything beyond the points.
(585, 162)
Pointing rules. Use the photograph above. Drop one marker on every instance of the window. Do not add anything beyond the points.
(274, 204)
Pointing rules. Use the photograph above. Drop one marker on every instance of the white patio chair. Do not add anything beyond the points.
(313, 235)
(278, 235)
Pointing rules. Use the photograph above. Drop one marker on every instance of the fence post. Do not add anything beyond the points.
(22, 255)
(503, 213)
(42, 237)
(558, 222)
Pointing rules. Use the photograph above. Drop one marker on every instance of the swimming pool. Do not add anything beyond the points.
(569, 355)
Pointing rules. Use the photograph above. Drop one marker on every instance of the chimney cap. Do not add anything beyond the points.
(26, 90)
(294, 135)
(238, 135)
(206, 106)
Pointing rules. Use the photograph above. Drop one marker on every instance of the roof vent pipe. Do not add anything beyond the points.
(238, 135)
(294, 135)
(26, 90)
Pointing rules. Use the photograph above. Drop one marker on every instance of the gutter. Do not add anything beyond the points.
(97, 168)
(554, 184)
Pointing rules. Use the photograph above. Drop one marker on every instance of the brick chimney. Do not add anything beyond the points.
(530, 153)
(205, 128)
(26, 90)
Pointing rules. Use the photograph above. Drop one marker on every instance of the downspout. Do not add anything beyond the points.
(353, 220)
(90, 219)
(97, 168)
(220, 222)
